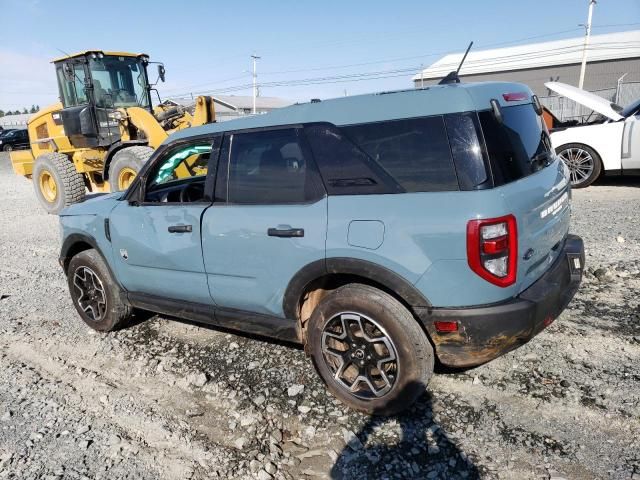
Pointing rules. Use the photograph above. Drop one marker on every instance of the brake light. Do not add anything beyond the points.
(492, 249)
(515, 96)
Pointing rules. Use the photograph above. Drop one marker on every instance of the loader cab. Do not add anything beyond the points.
(93, 86)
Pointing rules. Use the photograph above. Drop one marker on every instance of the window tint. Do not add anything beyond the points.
(345, 168)
(270, 167)
(183, 163)
(414, 152)
(519, 146)
(463, 133)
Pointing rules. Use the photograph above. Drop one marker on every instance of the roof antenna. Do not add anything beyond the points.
(452, 77)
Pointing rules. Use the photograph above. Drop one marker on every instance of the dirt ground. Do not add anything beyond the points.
(166, 399)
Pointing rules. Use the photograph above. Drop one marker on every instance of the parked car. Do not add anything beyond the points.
(607, 142)
(13, 139)
(381, 231)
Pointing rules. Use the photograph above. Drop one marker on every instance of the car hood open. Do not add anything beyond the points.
(588, 99)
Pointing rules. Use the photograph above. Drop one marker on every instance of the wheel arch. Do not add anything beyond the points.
(309, 285)
(115, 148)
(77, 243)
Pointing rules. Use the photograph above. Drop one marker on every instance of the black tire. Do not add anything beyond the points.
(108, 315)
(579, 179)
(127, 159)
(69, 184)
(7, 148)
(414, 354)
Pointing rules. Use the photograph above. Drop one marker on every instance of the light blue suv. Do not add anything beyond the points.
(383, 232)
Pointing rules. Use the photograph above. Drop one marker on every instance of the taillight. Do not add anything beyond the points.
(492, 249)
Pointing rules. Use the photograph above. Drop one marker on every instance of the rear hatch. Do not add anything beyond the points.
(533, 184)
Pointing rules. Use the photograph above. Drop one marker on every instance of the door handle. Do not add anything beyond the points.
(180, 229)
(286, 232)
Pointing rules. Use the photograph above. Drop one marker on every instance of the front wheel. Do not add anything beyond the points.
(95, 294)
(125, 166)
(7, 148)
(369, 350)
(583, 162)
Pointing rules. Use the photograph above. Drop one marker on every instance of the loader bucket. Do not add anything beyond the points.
(22, 162)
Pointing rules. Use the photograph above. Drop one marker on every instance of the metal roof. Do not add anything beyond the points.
(608, 46)
(85, 52)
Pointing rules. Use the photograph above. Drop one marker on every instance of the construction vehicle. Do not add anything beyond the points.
(103, 129)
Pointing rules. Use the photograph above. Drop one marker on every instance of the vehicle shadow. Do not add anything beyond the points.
(422, 450)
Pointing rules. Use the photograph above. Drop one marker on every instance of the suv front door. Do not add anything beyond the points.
(268, 221)
(157, 243)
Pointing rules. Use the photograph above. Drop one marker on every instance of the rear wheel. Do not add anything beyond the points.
(95, 294)
(7, 148)
(583, 162)
(56, 182)
(369, 350)
(125, 166)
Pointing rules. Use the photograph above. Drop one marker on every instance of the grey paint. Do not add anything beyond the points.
(599, 75)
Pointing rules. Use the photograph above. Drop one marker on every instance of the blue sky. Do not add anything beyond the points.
(206, 45)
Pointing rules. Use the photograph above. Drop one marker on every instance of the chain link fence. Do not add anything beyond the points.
(566, 109)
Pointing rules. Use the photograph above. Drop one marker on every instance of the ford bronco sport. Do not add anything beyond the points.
(383, 232)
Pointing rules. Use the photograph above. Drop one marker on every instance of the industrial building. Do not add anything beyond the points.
(612, 58)
(15, 121)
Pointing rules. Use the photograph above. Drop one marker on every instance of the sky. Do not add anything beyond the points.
(206, 45)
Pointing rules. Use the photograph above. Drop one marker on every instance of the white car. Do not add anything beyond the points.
(610, 144)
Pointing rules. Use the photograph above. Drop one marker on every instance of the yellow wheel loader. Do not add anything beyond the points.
(103, 129)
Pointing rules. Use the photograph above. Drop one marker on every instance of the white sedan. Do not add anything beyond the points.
(610, 144)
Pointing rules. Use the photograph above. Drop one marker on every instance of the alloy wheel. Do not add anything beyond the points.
(91, 295)
(360, 355)
(580, 163)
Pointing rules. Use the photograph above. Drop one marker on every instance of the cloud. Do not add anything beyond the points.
(26, 80)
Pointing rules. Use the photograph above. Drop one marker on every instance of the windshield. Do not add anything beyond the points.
(631, 109)
(119, 82)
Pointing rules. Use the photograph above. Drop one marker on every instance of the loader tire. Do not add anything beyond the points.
(57, 182)
(125, 166)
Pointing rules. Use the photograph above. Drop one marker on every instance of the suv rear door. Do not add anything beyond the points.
(268, 220)
(532, 182)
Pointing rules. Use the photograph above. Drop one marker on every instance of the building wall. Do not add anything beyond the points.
(598, 75)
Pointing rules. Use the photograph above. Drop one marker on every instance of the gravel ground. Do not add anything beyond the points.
(166, 399)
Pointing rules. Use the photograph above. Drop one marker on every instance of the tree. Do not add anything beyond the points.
(33, 109)
(24, 110)
(1, 113)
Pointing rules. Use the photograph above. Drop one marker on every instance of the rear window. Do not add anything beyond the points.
(517, 147)
(414, 152)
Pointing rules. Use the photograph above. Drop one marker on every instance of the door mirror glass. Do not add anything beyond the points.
(161, 72)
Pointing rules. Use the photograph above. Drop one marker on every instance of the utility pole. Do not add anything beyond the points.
(587, 34)
(255, 82)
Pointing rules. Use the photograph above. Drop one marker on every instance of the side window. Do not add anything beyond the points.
(270, 167)
(463, 130)
(345, 168)
(180, 169)
(414, 152)
(73, 92)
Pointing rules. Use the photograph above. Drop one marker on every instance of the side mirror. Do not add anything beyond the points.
(67, 71)
(161, 72)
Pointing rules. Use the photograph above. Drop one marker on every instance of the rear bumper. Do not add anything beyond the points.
(488, 331)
